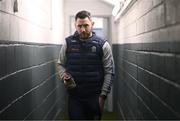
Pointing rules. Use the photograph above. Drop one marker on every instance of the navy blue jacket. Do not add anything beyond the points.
(84, 63)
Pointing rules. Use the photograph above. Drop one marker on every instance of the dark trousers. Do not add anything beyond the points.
(84, 108)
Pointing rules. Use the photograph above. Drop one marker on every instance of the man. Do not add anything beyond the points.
(86, 66)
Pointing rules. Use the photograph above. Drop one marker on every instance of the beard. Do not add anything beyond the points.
(85, 35)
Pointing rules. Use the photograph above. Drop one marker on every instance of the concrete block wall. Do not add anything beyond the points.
(29, 48)
(28, 85)
(147, 59)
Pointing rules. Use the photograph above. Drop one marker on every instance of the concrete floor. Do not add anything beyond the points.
(106, 116)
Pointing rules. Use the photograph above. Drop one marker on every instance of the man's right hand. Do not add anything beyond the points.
(67, 76)
(68, 81)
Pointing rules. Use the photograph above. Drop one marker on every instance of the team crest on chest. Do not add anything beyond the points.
(73, 40)
(93, 48)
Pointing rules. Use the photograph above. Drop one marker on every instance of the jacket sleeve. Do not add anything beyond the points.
(61, 62)
(108, 64)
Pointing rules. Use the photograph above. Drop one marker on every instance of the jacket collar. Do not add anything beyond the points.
(76, 35)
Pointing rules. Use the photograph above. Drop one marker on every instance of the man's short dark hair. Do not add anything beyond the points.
(83, 14)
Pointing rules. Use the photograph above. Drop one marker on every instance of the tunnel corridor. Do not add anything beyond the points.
(145, 40)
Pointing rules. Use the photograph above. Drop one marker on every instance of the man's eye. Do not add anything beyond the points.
(79, 26)
(86, 26)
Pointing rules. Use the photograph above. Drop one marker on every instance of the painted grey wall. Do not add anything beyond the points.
(28, 85)
(147, 61)
(30, 39)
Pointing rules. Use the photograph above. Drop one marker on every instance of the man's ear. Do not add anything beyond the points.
(92, 23)
(75, 24)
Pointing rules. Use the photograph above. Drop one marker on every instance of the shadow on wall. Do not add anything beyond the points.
(146, 85)
(28, 86)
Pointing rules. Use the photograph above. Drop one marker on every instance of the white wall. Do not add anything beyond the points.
(58, 21)
(149, 21)
(34, 21)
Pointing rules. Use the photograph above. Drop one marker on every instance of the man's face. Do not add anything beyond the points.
(84, 27)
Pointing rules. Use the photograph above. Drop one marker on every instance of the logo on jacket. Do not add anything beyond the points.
(73, 40)
(93, 48)
(74, 50)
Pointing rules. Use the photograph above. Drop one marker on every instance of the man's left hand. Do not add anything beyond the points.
(101, 102)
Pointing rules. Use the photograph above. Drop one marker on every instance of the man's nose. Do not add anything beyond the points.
(82, 29)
